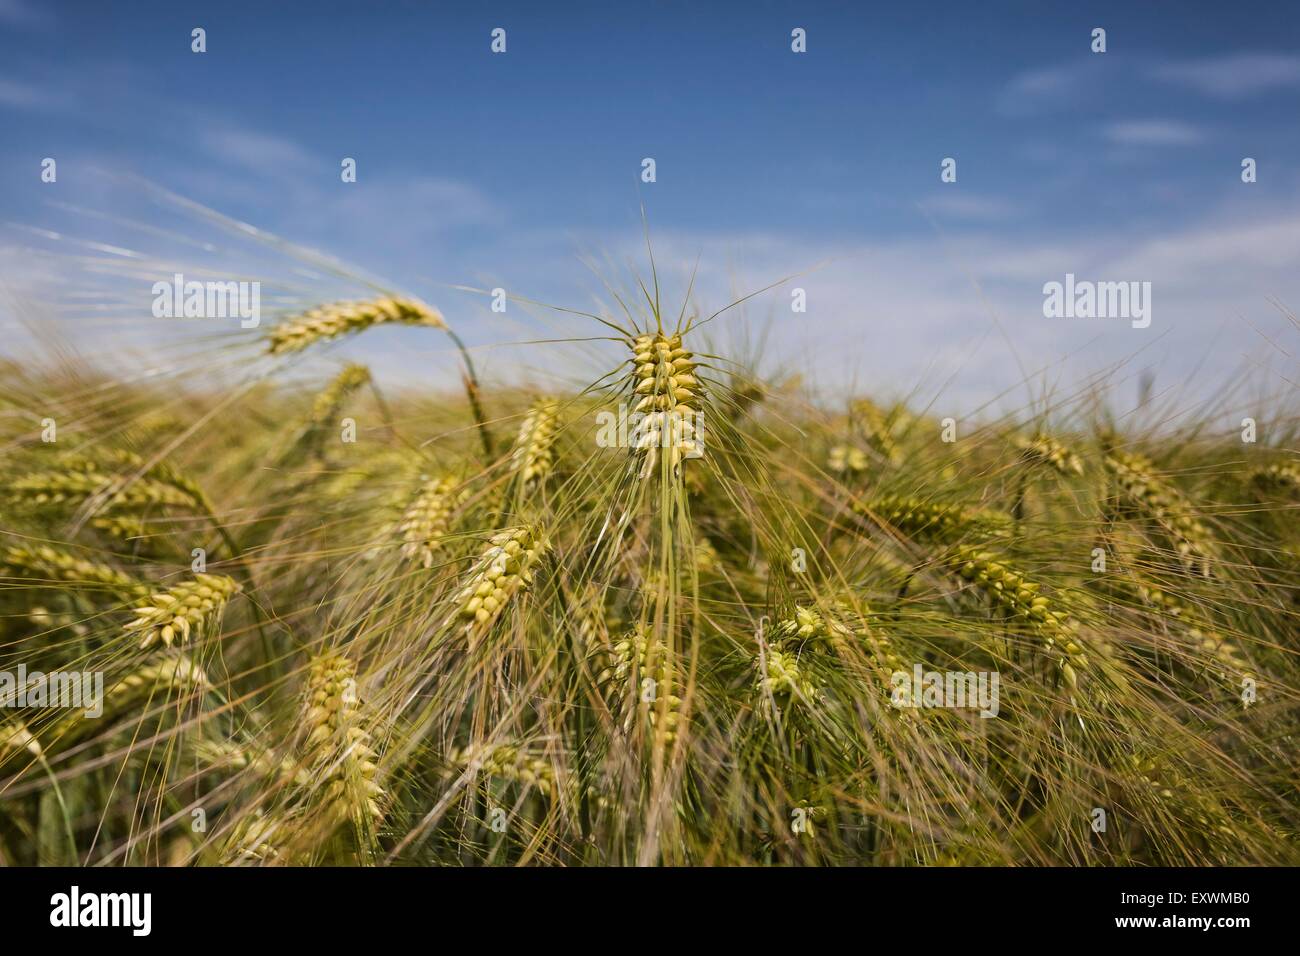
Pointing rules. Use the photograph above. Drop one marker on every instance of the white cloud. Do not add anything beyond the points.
(1235, 76)
(23, 14)
(1153, 132)
(250, 149)
(961, 205)
(16, 94)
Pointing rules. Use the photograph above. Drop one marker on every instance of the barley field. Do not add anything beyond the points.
(687, 612)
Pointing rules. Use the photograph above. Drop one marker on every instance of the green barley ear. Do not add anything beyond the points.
(427, 519)
(183, 611)
(1196, 627)
(229, 755)
(933, 520)
(346, 318)
(878, 428)
(53, 564)
(254, 842)
(153, 682)
(124, 529)
(511, 762)
(707, 559)
(809, 625)
(533, 457)
(503, 569)
(15, 737)
(669, 398)
(74, 487)
(847, 459)
(1142, 488)
(340, 757)
(1044, 450)
(329, 401)
(1009, 589)
(640, 671)
(1281, 478)
(780, 677)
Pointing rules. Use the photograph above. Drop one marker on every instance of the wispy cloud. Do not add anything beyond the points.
(1153, 132)
(21, 13)
(1235, 76)
(1072, 83)
(19, 95)
(250, 149)
(957, 205)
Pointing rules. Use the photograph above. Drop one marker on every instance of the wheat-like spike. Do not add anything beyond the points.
(341, 759)
(933, 520)
(1283, 478)
(1140, 485)
(811, 630)
(1171, 786)
(781, 677)
(425, 523)
(253, 841)
(586, 621)
(1009, 589)
(44, 488)
(330, 321)
(226, 754)
(56, 565)
(533, 456)
(330, 399)
(670, 401)
(176, 672)
(847, 458)
(169, 474)
(808, 625)
(636, 658)
(1045, 450)
(878, 427)
(123, 528)
(707, 559)
(1208, 641)
(503, 569)
(511, 762)
(184, 610)
(14, 737)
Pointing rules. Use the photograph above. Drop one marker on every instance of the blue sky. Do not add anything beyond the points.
(488, 169)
